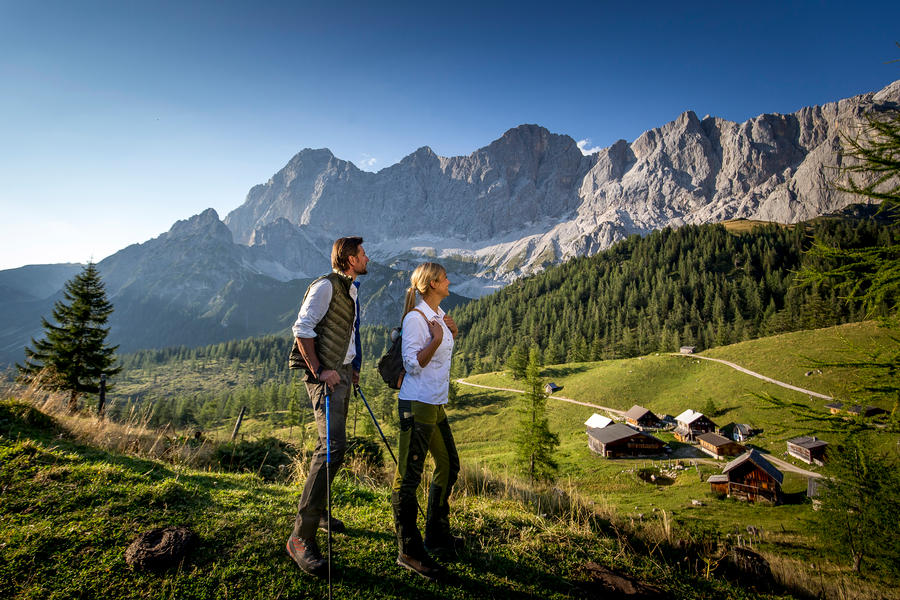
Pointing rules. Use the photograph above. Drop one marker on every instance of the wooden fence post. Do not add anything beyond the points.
(237, 425)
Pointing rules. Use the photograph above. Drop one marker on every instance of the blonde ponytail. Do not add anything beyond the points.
(410, 302)
(422, 277)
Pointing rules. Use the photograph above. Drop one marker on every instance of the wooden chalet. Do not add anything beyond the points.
(598, 422)
(835, 407)
(864, 411)
(551, 388)
(810, 450)
(749, 477)
(687, 349)
(719, 446)
(641, 418)
(739, 432)
(690, 424)
(618, 440)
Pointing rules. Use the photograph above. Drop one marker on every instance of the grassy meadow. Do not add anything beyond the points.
(75, 491)
(70, 509)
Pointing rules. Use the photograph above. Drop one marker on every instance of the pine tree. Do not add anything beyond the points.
(73, 353)
(535, 443)
(516, 362)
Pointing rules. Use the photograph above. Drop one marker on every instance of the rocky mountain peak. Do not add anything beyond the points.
(205, 224)
(530, 197)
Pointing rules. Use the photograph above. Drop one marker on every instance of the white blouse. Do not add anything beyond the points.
(428, 384)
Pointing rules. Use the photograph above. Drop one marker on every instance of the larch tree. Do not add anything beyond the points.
(535, 443)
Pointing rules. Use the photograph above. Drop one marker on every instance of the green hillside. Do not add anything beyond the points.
(669, 384)
(706, 286)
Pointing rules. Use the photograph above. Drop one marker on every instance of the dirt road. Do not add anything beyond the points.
(757, 375)
(613, 411)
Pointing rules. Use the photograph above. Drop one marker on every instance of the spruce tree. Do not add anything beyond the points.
(516, 362)
(73, 353)
(535, 443)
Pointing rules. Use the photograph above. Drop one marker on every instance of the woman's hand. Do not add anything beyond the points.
(437, 336)
(451, 325)
(436, 331)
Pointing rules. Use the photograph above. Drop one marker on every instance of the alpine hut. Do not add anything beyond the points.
(691, 424)
(719, 446)
(618, 440)
(809, 449)
(641, 418)
(749, 477)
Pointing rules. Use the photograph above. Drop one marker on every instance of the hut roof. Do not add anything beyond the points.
(688, 416)
(808, 442)
(613, 433)
(718, 479)
(636, 412)
(714, 439)
(598, 421)
(757, 459)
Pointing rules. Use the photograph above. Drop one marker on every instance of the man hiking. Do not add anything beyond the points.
(327, 347)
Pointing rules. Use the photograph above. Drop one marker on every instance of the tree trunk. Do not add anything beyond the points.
(73, 402)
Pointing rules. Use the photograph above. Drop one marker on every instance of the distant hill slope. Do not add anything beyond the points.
(698, 285)
(668, 384)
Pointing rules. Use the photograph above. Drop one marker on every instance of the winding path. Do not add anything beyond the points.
(561, 398)
(757, 375)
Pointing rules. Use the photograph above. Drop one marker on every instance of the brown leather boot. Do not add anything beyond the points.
(307, 556)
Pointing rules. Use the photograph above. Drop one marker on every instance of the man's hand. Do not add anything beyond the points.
(330, 378)
(451, 325)
(355, 377)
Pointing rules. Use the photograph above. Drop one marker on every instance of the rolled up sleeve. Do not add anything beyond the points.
(415, 337)
(314, 308)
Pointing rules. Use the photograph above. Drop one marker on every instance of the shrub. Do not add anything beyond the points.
(268, 457)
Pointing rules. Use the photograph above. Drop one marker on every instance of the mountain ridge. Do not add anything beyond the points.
(529, 199)
(770, 167)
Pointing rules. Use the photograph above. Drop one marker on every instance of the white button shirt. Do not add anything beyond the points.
(428, 384)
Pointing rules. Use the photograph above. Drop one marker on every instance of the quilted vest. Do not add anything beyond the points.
(334, 330)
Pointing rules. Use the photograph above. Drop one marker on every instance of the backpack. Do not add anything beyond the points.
(390, 366)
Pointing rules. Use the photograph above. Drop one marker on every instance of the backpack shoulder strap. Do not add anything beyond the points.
(418, 311)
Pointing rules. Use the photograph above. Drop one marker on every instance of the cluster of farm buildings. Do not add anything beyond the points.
(748, 476)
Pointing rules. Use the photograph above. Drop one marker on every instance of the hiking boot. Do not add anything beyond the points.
(306, 554)
(446, 545)
(426, 566)
(337, 526)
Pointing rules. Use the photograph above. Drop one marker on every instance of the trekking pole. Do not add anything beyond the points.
(356, 389)
(328, 476)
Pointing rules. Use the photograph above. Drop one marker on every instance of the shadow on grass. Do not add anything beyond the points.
(564, 370)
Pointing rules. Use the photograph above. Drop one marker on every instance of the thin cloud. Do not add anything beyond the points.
(367, 162)
(583, 146)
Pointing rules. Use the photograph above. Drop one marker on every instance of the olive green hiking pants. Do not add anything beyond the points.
(423, 428)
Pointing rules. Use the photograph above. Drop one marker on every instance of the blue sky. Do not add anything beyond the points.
(119, 118)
